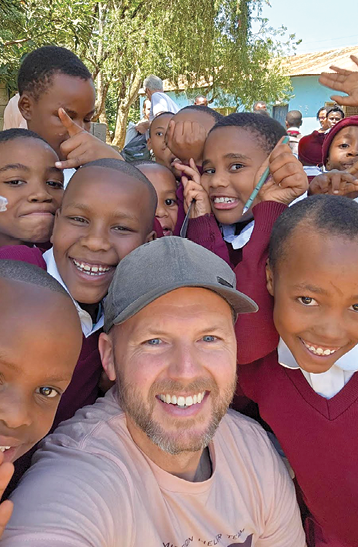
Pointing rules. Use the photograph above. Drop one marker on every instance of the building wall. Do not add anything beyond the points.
(3, 102)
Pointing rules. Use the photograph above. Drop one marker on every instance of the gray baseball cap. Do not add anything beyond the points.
(163, 265)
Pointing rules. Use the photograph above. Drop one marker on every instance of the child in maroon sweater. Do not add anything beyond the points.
(107, 211)
(307, 389)
(32, 186)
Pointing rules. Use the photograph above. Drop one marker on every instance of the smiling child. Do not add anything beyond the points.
(107, 211)
(32, 185)
(306, 388)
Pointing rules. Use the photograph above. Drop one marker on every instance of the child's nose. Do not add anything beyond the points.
(16, 413)
(40, 195)
(218, 180)
(161, 212)
(96, 239)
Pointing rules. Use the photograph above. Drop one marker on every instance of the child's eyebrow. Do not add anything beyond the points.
(310, 288)
(73, 113)
(14, 166)
(231, 155)
(55, 170)
(86, 209)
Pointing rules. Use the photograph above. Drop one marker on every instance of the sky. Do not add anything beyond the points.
(321, 24)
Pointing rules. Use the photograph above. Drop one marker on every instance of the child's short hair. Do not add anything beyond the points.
(18, 133)
(166, 113)
(266, 130)
(123, 167)
(331, 215)
(205, 109)
(42, 64)
(294, 118)
(16, 270)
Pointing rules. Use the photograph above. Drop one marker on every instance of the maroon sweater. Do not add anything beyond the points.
(317, 435)
(83, 388)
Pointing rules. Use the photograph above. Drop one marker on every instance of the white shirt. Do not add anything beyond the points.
(329, 383)
(161, 102)
(88, 327)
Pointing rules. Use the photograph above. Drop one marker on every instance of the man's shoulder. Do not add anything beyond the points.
(93, 427)
(244, 431)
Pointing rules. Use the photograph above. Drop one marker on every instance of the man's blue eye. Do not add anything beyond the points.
(209, 338)
(154, 342)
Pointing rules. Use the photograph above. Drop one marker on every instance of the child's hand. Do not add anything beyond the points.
(81, 147)
(342, 80)
(339, 183)
(6, 472)
(193, 190)
(287, 179)
(186, 140)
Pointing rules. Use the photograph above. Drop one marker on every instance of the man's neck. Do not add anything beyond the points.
(190, 466)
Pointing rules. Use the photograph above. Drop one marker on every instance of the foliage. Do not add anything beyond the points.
(205, 43)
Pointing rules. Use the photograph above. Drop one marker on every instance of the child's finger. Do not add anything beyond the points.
(336, 181)
(169, 133)
(71, 126)
(354, 169)
(72, 163)
(6, 508)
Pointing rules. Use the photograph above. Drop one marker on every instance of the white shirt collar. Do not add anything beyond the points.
(88, 327)
(328, 383)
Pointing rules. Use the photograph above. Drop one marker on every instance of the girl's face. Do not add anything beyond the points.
(343, 152)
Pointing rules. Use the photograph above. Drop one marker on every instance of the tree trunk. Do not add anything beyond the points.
(126, 97)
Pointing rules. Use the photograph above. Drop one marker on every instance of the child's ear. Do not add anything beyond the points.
(328, 165)
(151, 237)
(269, 279)
(25, 106)
(105, 347)
(57, 214)
(149, 144)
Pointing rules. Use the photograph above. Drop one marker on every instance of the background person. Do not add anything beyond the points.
(160, 101)
(201, 100)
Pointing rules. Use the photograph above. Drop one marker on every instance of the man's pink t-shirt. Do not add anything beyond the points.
(92, 486)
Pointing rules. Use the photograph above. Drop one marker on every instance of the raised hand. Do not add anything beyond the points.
(342, 80)
(186, 140)
(193, 190)
(287, 180)
(339, 183)
(81, 147)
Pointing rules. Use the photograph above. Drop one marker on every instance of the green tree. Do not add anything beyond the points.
(122, 41)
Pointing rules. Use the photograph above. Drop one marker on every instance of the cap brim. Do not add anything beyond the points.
(239, 302)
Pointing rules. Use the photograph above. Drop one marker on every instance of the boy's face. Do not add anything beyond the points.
(343, 152)
(315, 287)
(40, 341)
(74, 95)
(164, 183)
(104, 216)
(33, 187)
(156, 142)
(231, 160)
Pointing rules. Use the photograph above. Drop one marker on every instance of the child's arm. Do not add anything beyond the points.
(342, 80)
(81, 147)
(255, 332)
(186, 140)
(202, 228)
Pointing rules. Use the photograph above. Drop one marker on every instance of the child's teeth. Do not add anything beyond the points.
(182, 401)
(224, 200)
(319, 351)
(3, 448)
(90, 269)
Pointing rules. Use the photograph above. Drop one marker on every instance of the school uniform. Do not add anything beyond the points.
(314, 416)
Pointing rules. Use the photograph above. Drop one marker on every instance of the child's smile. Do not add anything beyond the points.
(232, 158)
(316, 297)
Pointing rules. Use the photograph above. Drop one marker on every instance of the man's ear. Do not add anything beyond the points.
(269, 279)
(105, 347)
(25, 105)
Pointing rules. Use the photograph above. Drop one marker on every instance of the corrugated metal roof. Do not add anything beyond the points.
(320, 61)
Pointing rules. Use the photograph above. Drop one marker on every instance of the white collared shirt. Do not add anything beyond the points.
(329, 383)
(87, 325)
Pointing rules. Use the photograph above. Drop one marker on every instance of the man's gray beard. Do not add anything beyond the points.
(133, 405)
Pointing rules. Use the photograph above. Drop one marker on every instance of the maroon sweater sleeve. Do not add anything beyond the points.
(205, 231)
(22, 253)
(255, 332)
